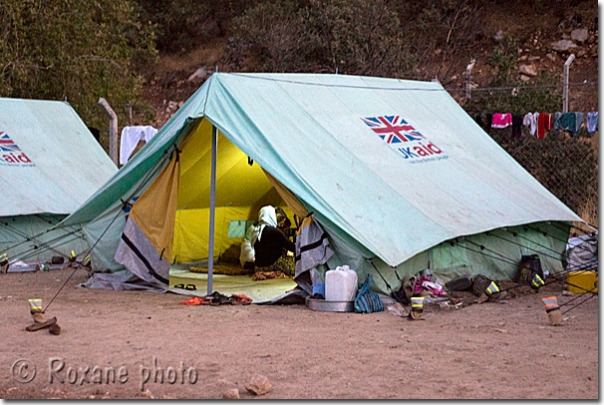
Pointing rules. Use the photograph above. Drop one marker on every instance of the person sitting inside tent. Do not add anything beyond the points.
(264, 242)
(283, 222)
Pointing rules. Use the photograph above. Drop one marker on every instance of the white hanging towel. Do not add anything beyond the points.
(130, 138)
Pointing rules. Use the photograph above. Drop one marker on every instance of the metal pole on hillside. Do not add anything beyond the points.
(565, 86)
(212, 209)
(469, 79)
(112, 129)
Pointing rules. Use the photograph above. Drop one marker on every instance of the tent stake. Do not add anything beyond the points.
(212, 209)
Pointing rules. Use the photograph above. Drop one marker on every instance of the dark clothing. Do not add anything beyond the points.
(270, 246)
(516, 126)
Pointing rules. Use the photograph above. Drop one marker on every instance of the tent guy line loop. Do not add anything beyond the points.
(511, 261)
(118, 213)
(48, 245)
(87, 253)
(579, 296)
(547, 234)
(33, 251)
(518, 244)
(517, 235)
(579, 304)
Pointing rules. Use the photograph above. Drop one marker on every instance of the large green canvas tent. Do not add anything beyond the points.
(50, 164)
(394, 171)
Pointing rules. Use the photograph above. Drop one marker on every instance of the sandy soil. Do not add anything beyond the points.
(492, 350)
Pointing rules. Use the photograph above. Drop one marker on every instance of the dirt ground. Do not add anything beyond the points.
(494, 350)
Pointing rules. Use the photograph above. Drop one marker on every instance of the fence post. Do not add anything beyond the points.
(469, 78)
(112, 129)
(565, 86)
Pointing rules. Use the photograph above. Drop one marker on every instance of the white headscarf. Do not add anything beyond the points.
(266, 216)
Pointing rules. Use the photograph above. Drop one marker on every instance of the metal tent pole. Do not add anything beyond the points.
(212, 209)
(112, 130)
(565, 87)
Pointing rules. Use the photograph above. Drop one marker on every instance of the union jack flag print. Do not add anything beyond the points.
(7, 144)
(393, 129)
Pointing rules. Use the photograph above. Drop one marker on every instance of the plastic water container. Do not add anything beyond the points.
(341, 284)
(318, 289)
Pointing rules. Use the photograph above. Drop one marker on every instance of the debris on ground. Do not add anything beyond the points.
(259, 385)
(233, 393)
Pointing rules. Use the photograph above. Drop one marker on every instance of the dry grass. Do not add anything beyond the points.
(589, 212)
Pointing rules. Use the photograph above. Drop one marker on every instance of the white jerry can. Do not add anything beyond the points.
(341, 284)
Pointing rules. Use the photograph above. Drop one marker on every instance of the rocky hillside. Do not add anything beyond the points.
(545, 39)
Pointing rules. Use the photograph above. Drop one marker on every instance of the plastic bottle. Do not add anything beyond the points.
(341, 284)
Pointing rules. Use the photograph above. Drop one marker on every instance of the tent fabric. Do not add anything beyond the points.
(393, 170)
(160, 197)
(50, 163)
(49, 160)
(139, 255)
(28, 237)
(290, 199)
(321, 149)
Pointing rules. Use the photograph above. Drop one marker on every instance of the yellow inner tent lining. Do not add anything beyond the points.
(241, 190)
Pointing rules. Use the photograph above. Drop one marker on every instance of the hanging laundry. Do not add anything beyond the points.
(578, 122)
(516, 126)
(478, 120)
(501, 120)
(489, 121)
(569, 121)
(530, 120)
(131, 136)
(592, 122)
(557, 127)
(544, 123)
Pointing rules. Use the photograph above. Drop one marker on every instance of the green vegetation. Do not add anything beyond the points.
(74, 50)
(355, 37)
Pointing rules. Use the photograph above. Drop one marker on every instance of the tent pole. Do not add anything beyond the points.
(212, 209)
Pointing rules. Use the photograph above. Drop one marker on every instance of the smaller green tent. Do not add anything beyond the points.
(50, 164)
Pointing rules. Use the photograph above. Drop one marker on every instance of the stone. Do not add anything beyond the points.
(233, 393)
(579, 35)
(199, 75)
(563, 45)
(524, 78)
(534, 58)
(259, 385)
(172, 106)
(551, 57)
(528, 70)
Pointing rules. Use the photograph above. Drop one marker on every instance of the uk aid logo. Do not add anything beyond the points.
(404, 138)
(11, 154)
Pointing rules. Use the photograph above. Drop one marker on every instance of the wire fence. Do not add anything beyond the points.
(566, 165)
